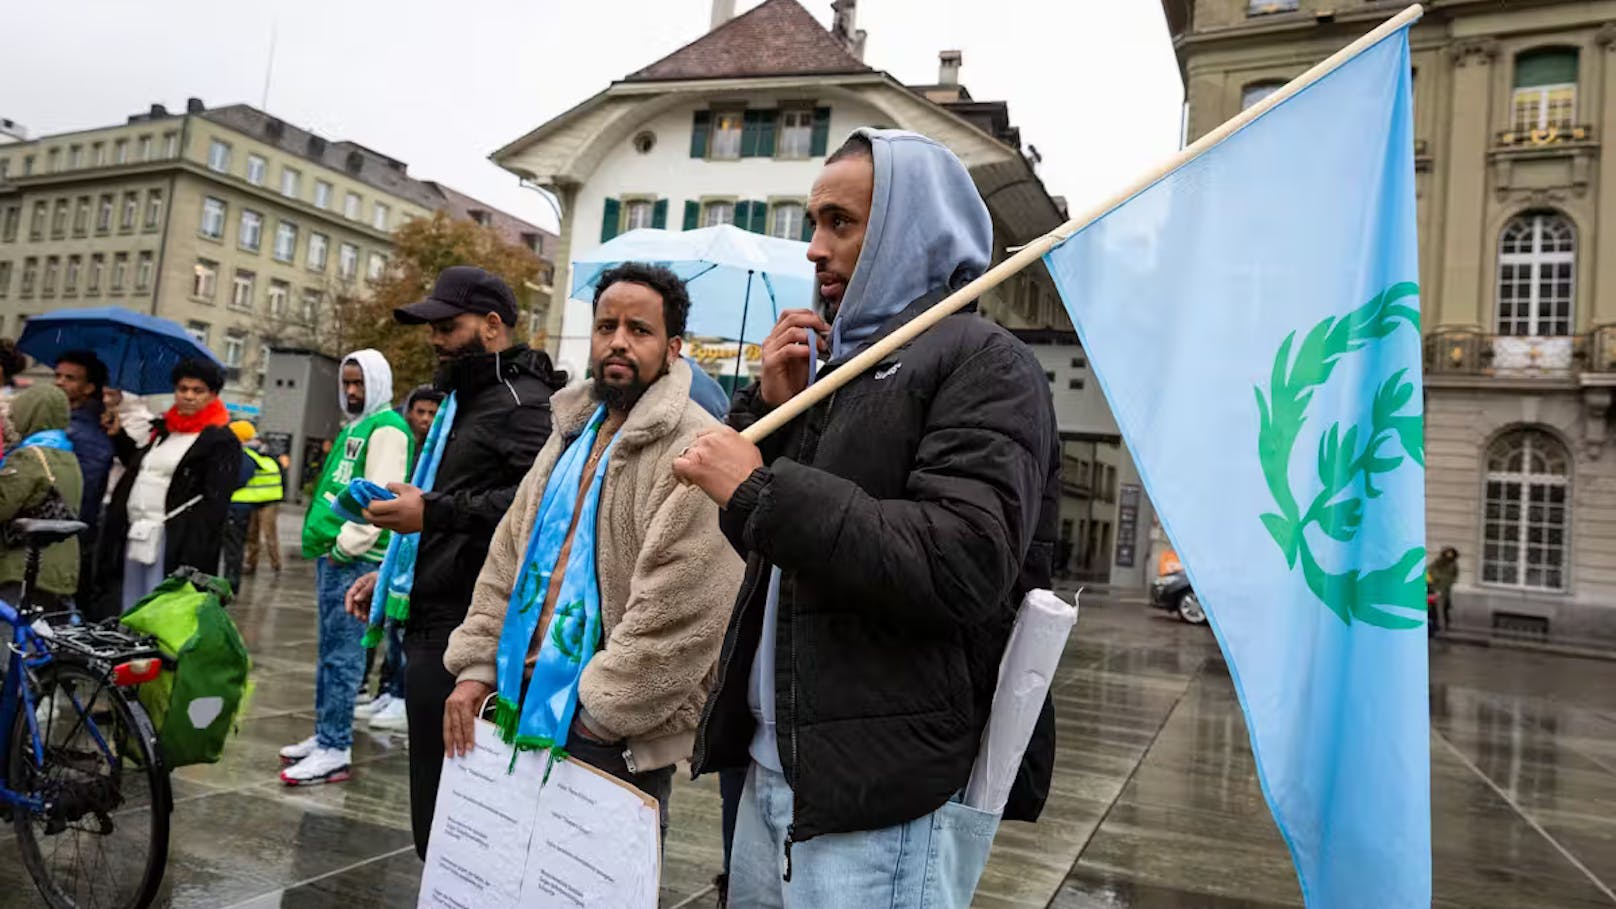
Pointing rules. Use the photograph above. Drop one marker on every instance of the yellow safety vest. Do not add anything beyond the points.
(265, 485)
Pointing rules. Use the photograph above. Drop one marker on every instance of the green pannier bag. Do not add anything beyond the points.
(194, 706)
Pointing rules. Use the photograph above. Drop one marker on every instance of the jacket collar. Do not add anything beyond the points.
(656, 414)
(920, 305)
(469, 375)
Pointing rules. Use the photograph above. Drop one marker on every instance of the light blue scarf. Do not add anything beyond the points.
(397, 577)
(541, 717)
(45, 438)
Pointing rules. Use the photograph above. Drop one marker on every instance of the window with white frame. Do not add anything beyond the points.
(145, 148)
(350, 206)
(379, 215)
(213, 217)
(250, 233)
(322, 194)
(637, 213)
(263, 363)
(235, 348)
(1545, 96)
(241, 291)
(726, 135)
(375, 266)
(348, 261)
(70, 278)
(1257, 91)
(120, 151)
(285, 241)
(204, 278)
(154, 208)
(311, 304)
(796, 133)
(143, 270)
(279, 293)
(219, 156)
(716, 213)
(131, 210)
(120, 268)
(92, 279)
(1537, 257)
(171, 145)
(291, 182)
(75, 157)
(198, 332)
(257, 167)
(1527, 527)
(318, 245)
(785, 220)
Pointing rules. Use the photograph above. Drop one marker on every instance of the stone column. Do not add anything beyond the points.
(1599, 247)
(1469, 134)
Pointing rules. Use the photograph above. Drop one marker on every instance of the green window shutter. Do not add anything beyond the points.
(700, 125)
(743, 215)
(766, 121)
(807, 229)
(749, 134)
(819, 142)
(760, 218)
(659, 214)
(1554, 67)
(610, 220)
(692, 214)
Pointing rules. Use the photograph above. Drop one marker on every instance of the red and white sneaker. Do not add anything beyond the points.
(325, 765)
(291, 754)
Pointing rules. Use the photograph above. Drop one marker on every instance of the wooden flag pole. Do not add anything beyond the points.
(1035, 250)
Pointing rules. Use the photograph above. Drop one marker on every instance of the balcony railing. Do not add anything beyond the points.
(1470, 353)
(1537, 138)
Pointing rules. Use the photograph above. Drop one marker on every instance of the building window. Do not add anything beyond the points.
(250, 233)
(5, 168)
(256, 168)
(120, 270)
(285, 241)
(70, 278)
(375, 266)
(219, 156)
(36, 227)
(171, 145)
(120, 151)
(637, 213)
(241, 291)
(204, 279)
(1257, 91)
(1528, 511)
(27, 165)
(154, 208)
(145, 148)
(291, 182)
(318, 244)
(1545, 95)
(322, 194)
(8, 230)
(103, 215)
(785, 221)
(143, 270)
(198, 332)
(131, 209)
(30, 270)
(716, 213)
(263, 363)
(1075, 384)
(75, 157)
(796, 134)
(1264, 7)
(53, 159)
(5, 278)
(213, 218)
(726, 135)
(311, 304)
(279, 291)
(53, 265)
(59, 219)
(81, 217)
(350, 207)
(235, 347)
(347, 261)
(379, 215)
(1537, 256)
(92, 279)
(98, 153)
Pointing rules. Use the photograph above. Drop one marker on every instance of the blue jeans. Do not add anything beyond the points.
(342, 653)
(393, 660)
(932, 862)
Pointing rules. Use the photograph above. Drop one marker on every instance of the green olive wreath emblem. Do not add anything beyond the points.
(569, 630)
(1335, 509)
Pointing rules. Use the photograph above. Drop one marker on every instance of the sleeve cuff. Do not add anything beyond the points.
(435, 511)
(746, 496)
(478, 672)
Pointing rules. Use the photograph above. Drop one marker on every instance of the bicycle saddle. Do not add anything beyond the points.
(44, 533)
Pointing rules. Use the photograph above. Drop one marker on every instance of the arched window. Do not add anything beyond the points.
(1545, 90)
(1528, 511)
(1537, 258)
(1257, 91)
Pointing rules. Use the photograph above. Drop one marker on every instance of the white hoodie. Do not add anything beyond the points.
(388, 452)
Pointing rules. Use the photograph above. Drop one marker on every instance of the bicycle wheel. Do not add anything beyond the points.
(101, 841)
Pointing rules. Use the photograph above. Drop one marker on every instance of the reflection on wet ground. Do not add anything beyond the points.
(1154, 805)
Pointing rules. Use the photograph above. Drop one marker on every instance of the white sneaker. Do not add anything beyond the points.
(366, 711)
(325, 765)
(363, 697)
(291, 754)
(392, 718)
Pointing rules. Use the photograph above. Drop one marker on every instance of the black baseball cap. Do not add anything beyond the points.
(462, 289)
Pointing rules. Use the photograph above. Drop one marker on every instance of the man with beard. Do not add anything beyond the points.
(375, 444)
(496, 417)
(598, 615)
(890, 532)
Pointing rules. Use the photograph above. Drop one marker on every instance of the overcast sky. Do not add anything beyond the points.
(441, 85)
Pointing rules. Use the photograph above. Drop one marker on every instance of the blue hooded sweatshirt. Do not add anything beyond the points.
(928, 229)
(93, 447)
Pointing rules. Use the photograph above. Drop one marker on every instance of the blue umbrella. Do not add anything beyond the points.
(140, 350)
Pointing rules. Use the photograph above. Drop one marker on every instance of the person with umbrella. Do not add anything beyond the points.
(174, 494)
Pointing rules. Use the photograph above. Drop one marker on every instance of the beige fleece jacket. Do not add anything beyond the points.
(667, 576)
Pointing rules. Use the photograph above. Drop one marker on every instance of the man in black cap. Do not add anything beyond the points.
(499, 401)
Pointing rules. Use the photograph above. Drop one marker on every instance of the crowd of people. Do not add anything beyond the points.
(611, 568)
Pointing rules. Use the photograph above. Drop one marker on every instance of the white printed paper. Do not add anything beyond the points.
(481, 827)
(594, 844)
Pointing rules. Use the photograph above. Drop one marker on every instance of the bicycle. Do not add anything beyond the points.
(80, 767)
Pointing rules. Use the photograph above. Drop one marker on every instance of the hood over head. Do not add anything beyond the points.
(928, 229)
(378, 383)
(38, 408)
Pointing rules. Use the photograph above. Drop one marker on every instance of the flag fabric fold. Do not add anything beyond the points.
(1254, 319)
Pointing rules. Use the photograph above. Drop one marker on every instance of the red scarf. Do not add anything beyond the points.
(212, 415)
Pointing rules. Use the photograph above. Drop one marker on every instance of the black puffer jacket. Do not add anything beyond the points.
(501, 421)
(903, 514)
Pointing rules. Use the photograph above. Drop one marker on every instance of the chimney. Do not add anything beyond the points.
(844, 27)
(194, 106)
(723, 11)
(948, 67)
(157, 110)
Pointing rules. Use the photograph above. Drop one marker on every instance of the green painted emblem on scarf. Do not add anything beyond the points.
(1344, 461)
(568, 628)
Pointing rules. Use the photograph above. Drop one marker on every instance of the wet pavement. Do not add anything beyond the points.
(1155, 803)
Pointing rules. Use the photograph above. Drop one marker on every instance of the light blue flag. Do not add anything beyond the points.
(1254, 320)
